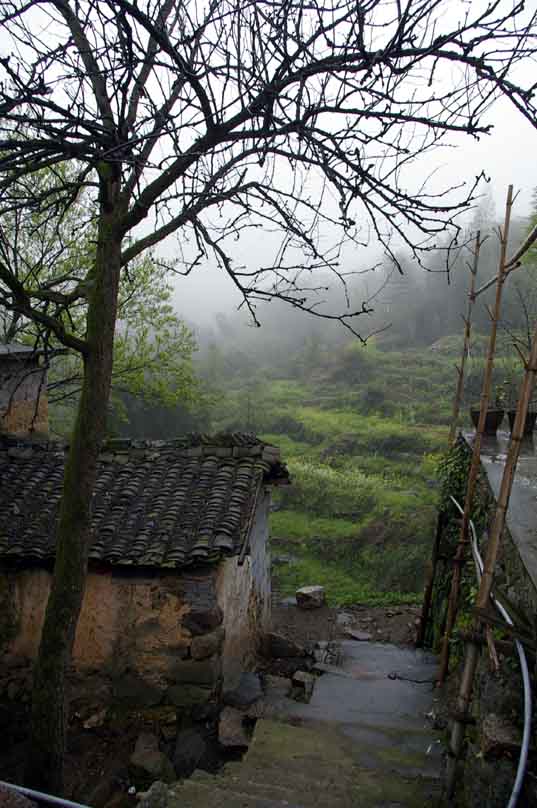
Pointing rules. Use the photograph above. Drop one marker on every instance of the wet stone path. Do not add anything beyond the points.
(365, 738)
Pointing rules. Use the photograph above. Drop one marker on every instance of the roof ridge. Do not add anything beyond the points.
(195, 444)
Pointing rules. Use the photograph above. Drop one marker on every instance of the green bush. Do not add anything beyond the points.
(285, 424)
(329, 492)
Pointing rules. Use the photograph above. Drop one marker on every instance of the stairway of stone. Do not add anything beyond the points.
(364, 739)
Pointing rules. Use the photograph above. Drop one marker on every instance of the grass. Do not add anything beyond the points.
(361, 445)
(343, 587)
(358, 518)
(372, 433)
(298, 527)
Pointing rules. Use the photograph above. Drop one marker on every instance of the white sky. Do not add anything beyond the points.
(507, 156)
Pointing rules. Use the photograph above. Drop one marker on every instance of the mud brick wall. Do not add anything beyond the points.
(156, 638)
(147, 633)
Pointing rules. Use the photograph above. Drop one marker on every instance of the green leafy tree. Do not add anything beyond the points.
(53, 249)
(153, 351)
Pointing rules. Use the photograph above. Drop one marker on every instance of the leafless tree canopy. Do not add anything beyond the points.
(209, 118)
(226, 115)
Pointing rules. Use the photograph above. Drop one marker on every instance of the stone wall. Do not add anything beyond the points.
(493, 738)
(498, 706)
(243, 592)
(23, 396)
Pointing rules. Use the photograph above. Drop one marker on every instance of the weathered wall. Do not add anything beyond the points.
(243, 593)
(260, 557)
(156, 632)
(169, 637)
(23, 397)
(234, 592)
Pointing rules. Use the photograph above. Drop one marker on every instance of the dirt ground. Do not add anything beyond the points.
(396, 624)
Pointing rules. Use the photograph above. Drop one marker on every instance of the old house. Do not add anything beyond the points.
(178, 589)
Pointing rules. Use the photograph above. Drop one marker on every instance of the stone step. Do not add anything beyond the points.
(199, 795)
(207, 795)
(332, 748)
(331, 788)
(308, 768)
(363, 740)
(366, 792)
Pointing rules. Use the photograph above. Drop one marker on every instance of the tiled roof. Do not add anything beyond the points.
(8, 348)
(23, 352)
(157, 504)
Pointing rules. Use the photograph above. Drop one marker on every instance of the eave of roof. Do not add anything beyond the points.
(156, 504)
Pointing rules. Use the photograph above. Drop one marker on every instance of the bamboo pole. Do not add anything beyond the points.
(466, 346)
(493, 546)
(514, 262)
(458, 561)
(429, 585)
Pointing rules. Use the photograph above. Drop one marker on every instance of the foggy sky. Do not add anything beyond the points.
(506, 156)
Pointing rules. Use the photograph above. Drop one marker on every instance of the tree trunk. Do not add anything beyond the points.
(48, 722)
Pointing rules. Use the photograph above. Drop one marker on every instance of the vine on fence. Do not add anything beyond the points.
(452, 471)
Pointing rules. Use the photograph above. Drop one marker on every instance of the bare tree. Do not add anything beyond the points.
(208, 120)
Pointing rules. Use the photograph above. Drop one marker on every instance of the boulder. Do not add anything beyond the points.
(272, 705)
(206, 713)
(201, 672)
(310, 597)
(280, 647)
(96, 720)
(287, 601)
(277, 685)
(147, 763)
(499, 737)
(190, 748)
(156, 797)
(200, 621)
(246, 693)
(205, 645)
(303, 682)
(361, 636)
(131, 690)
(231, 732)
(103, 792)
(186, 697)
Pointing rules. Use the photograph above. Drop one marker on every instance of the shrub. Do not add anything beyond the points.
(329, 492)
(285, 424)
